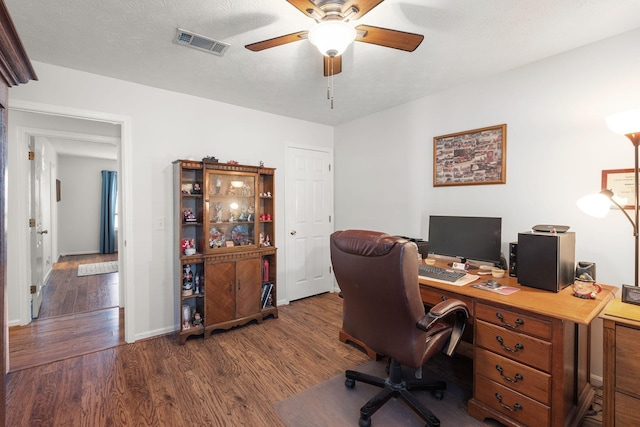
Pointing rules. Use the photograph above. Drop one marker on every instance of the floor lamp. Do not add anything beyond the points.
(626, 123)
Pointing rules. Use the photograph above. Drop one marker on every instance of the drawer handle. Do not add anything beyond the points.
(514, 380)
(230, 286)
(516, 407)
(517, 348)
(443, 298)
(519, 322)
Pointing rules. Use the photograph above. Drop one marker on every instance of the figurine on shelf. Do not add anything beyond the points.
(210, 159)
(188, 216)
(196, 188)
(261, 241)
(197, 285)
(187, 280)
(250, 213)
(218, 184)
(197, 318)
(218, 212)
(232, 162)
(246, 190)
(188, 246)
(267, 241)
(186, 316)
(231, 191)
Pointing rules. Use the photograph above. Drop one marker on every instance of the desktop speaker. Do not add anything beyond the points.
(546, 260)
(513, 256)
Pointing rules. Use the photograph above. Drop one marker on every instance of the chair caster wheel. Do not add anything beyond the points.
(350, 383)
(438, 394)
(364, 422)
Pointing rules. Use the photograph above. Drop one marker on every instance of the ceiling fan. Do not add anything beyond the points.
(332, 34)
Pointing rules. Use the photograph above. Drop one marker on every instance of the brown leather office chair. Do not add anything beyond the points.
(378, 276)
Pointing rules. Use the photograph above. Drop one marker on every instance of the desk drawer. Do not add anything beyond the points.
(627, 367)
(514, 405)
(514, 320)
(432, 296)
(520, 347)
(516, 376)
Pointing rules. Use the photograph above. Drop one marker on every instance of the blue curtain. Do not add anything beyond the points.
(108, 212)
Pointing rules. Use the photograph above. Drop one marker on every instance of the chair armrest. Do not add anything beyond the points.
(442, 310)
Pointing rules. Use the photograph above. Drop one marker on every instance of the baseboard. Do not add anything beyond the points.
(596, 380)
(155, 333)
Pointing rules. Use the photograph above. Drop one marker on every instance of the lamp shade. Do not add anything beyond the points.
(624, 123)
(332, 37)
(596, 205)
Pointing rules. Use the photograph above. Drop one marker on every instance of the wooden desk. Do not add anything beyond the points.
(531, 351)
(621, 397)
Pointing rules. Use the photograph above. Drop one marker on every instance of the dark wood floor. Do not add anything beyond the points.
(231, 378)
(65, 293)
(79, 315)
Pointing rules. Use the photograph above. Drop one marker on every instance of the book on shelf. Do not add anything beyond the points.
(266, 294)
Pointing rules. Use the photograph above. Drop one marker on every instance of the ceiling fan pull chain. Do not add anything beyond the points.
(331, 82)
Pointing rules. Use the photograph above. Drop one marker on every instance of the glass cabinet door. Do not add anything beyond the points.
(231, 210)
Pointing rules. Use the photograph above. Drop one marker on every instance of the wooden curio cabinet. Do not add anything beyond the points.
(226, 269)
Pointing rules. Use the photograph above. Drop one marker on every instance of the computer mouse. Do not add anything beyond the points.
(493, 284)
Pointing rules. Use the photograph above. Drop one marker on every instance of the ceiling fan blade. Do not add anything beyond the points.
(388, 38)
(332, 69)
(307, 7)
(277, 41)
(364, 6)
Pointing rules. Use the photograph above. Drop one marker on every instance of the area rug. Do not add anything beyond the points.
(97, 268)
(330, 403)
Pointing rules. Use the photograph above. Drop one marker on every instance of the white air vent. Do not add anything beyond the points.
(199, 42)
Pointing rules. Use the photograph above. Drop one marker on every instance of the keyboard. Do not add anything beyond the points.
(440, 273)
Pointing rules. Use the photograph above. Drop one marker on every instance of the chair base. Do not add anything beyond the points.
(395, 386)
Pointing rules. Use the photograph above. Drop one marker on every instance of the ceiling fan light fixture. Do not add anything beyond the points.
(332, 38)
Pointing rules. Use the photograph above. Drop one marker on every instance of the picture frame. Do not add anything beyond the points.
(622, 183)
(630, 294)
(472, 157)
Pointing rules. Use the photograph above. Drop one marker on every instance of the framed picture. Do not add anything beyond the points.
(470, 158)
(622, 183)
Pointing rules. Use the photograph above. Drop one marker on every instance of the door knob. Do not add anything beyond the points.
(293, 232)
(43, 232)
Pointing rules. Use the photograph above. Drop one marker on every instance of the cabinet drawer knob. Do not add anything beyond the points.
(513, 380)
(230, 285)
(519, 322)
(514, 408)
(517, 347)
(443, 298)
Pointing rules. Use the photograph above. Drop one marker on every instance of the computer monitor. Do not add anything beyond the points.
(473, 238)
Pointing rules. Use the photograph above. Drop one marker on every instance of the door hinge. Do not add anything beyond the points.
(32, 155)
(33, 289)
(329, 167)
(330, 271)
(32, 222)
(329, 218)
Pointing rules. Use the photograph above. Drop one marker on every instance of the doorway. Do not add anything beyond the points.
(22, 246)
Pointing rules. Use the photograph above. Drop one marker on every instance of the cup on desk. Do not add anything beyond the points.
(498, 273)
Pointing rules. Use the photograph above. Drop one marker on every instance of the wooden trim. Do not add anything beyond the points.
(15, 66)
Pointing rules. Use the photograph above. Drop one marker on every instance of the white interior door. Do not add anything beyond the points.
(308, 198)
(36, 226)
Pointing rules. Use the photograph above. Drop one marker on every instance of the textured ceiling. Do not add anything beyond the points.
(464, 40)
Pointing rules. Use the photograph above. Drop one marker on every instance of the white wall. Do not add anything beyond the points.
(166, 126)
(557, 146)
(79, 206)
